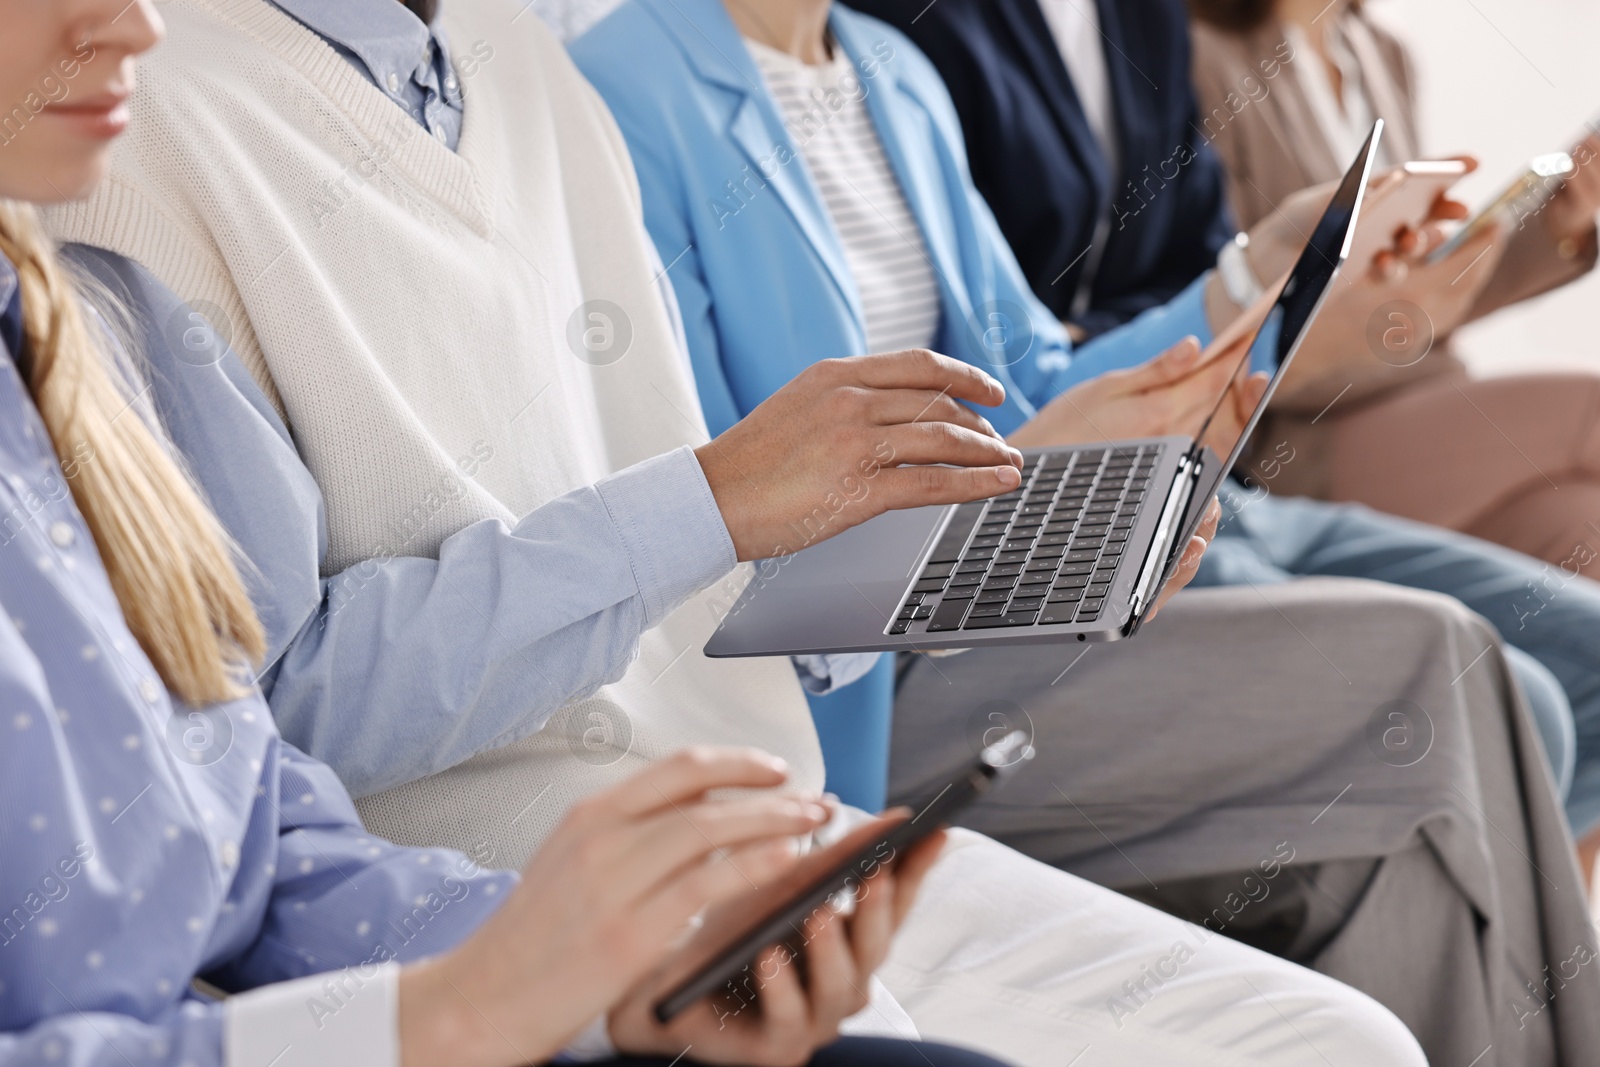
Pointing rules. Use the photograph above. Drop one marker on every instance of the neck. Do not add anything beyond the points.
(798, 27)
(423, 9)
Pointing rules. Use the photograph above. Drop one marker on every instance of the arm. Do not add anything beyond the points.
(667, 219)
(114, 911)
(505, 627)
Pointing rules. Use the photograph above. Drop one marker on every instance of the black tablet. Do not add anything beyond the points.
(719, 958)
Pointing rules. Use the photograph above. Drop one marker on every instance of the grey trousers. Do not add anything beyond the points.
(1340, 772)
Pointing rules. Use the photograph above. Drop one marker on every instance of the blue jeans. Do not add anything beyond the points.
(1550, 617)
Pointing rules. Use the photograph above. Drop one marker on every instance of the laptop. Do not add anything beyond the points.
(1078, 552)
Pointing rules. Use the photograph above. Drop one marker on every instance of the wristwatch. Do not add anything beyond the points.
(1238, 277)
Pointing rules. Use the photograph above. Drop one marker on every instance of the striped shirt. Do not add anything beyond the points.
(825, 111)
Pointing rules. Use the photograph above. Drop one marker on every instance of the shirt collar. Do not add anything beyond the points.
(385, 34)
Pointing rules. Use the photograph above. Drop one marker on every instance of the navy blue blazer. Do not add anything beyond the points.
(1037, 163)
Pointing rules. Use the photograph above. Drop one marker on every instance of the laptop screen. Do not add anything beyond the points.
(1308, 284)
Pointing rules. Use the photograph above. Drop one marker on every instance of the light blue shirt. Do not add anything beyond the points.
(551, 608)
(405, 59)
(147, 842)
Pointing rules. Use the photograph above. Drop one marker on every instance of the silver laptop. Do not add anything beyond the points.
(1078, 552)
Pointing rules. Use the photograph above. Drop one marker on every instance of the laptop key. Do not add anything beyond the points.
(1000, 582)
(966, 592)
(1049, 551)
(933, 585)
(900, 627)
(1071, 581)
(1001, 570)
(938, 570)
(1025, 605)
(985, 611)
(1057, 614)
(1076, 568)
(973, 566)
(1012, 555)
(924, 611)
(1097, 591)
(1091, 605)
(1020, 619)
(994, 596)
(1054, 538)
(1064, 596)
(966, 579)
(1032, 590)
(948, 616)
(1080, 556)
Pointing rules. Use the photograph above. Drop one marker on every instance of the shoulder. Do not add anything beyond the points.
(629, 54)
(1391, 46)
(878, 47)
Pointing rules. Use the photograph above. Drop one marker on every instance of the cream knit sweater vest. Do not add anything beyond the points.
(407, 307)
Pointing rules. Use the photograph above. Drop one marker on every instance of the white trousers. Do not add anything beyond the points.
(1033, 965)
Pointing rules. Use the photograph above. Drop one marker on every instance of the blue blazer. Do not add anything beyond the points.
(759, 268)
(1036, 160)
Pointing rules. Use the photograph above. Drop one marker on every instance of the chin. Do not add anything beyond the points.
(72, 176)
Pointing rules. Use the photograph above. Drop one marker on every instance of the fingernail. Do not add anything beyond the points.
(1009, 477)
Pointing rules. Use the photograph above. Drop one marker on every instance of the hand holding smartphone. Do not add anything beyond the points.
(1526, 196)
(1400, 199)
(718, 962)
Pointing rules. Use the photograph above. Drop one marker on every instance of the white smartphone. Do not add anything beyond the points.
(1525, 196)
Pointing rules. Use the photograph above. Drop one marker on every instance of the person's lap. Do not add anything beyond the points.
(1513, 459)
(1552, 615)
(1327, 728)
(1036, 966)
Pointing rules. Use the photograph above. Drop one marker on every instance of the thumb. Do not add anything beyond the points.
(1249, 394)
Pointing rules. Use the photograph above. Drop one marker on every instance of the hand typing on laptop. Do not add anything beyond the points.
(849, 439)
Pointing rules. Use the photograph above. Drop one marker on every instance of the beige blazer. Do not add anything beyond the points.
(1260, 122)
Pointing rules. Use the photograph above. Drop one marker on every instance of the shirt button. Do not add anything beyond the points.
(450, 82)
(394, 82)
(150, 691)
(63, 535)
(229, 855)
(438, 131)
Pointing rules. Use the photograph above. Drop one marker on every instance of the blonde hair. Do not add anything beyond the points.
(170, 562)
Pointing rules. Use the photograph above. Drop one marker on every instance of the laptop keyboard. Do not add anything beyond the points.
(1043, 553)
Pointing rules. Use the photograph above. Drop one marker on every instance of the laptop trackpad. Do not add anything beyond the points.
(832, 597)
